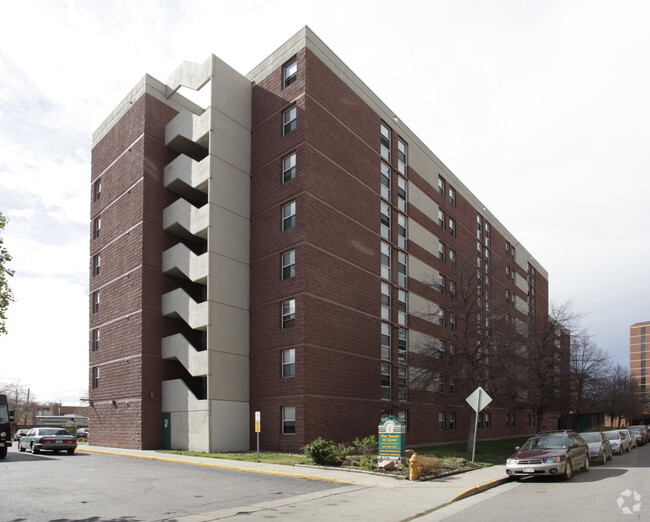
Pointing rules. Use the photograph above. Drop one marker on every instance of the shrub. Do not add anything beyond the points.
(325, 452)
(367, 446)
(430, 465)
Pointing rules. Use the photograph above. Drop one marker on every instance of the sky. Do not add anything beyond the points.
(541, 108)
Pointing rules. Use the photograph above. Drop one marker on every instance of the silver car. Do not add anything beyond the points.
(600, 448)
(51, 439)
(630, 437)
(618, 441)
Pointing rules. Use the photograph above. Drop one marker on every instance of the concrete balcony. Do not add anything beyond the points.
(189, 134)
(180, 261)
(179, 348)
(183, 219)
(185, 176)
(178, 304)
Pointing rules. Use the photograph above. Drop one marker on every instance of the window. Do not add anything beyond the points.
(402, 383)
(442, 283)
(528, 420)
(452, 322)
(402, 307)
(403, 415)
(289, 120)
(288, 420)
(442, 424)
(441, 186)
(401, 193)
(96, 302)
(385, 381)
(288, 313)
(479, 423)
(507, 420)
(452, 384)
(452, 227)
(439, 383)
(402, 156)
(289, 167)
(385, 301)
(442, 251)
(385, 181)
(98, 189)
(402, 269)
(385, 220)
(97, 226)
(452, 257)
(402, 345)
(289, 215)
(452, 421)
(452, 196)
(441, 317)
(289, 264)
(385, 341)
(95, 376)
(97, 261)
(479, 228)
(385, 260)
(290, 72)
(488, 233)
(514, 420)
(95, 340)
(441, 218)
(402, 230)
(488, 420)
(289, 363)
(452, 289)
(385, 142)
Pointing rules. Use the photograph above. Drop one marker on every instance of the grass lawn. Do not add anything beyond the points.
(488, 453)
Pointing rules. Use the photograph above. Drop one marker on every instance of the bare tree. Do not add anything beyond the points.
(6, 295)
(589, 365)
(18, 396)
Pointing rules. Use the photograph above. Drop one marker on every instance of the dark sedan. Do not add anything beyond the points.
(556, 454)
(50, 439)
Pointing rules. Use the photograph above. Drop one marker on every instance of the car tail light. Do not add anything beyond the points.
(68, 441)
(47, 441)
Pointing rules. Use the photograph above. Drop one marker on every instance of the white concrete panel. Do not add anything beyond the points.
(422, 272)
(230, 141)
(230, 426)
(422, 202)
(522, 283)
(419, 342)
(228, 379)
(192, 173)
(178, 303)
(228, 282)
(180, 260)
(229, 234)
(231, 93)
(422, 237)
(423, 308)
(189, 416)
(181, 214)
(178, 347)
(228, 330)
(230, 188)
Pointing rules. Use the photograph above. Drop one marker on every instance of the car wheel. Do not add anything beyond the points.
(3, 452)
(585, 468)
(34, 448)
(21, 448)
(620, 451)
(568, 471)
(70, 452)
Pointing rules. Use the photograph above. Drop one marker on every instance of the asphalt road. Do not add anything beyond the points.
(619, 490)
(97, 487)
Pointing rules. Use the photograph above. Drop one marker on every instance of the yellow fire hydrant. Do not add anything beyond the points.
(415, 467)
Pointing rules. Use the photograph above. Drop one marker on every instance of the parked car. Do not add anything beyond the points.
(20, 433)
(631, 437)
(82, 433)
(555, 454)
(52, 439)
(637, 433)
(644, 430)
(600, 448)
(620, 444)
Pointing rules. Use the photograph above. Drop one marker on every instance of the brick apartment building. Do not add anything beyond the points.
(638, 357)
(275, 252)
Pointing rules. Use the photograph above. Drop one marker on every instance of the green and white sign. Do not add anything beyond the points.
(392, 438)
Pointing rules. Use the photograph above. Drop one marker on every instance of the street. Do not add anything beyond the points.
(587, 496)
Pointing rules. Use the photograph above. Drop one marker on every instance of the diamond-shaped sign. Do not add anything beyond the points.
(478, 399)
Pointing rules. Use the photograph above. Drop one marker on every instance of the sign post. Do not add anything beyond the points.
(478, 400)
(258, 426)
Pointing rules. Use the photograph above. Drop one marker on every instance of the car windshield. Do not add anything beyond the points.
(544, 443)
(591, 437)
(612, 435)
(636, 430)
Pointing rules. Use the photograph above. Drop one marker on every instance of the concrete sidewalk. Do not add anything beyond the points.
(360, 496)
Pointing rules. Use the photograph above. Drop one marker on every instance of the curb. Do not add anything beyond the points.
(480, 488)
(219, 466)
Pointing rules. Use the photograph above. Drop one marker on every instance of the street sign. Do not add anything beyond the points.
(392, 438)
(478, 399)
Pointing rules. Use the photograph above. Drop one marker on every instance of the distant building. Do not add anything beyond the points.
(639, 356)
(287, 248)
